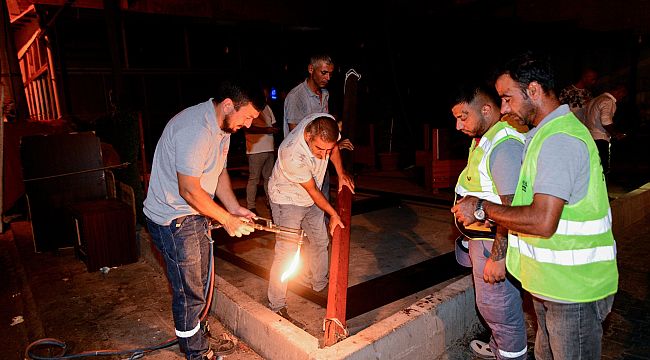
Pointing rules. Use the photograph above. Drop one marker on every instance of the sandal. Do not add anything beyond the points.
(481, 349)
(222, 346)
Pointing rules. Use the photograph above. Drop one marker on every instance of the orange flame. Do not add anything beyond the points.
(292, 267)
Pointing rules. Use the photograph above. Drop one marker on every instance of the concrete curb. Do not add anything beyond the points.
(630, 208)
(422, 331)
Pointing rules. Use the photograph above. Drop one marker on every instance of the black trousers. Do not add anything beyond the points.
(603, 152)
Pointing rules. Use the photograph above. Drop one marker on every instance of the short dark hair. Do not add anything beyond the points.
(528, 67)
(242, 92)
(467, 92)
(324, 127)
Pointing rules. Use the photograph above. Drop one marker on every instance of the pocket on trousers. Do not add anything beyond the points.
(604, 307)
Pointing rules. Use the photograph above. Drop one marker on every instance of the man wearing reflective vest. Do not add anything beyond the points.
(560, 243)
(491, 174)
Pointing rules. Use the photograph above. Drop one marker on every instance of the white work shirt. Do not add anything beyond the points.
(296, 164)
(259, 143)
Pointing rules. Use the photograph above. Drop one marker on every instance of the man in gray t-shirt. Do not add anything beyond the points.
(310, 96)
(188, 171)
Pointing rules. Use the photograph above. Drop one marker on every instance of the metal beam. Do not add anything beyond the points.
(340, 261)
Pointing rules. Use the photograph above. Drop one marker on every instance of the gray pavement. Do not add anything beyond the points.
(56, 297)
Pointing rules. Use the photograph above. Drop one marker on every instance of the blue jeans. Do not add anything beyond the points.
(500, 306)
(311, 220)
(570, 331)
(185, 244)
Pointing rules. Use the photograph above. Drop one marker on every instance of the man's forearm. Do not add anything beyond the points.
(191, 191)
(539, 218)
(500, 245)
(224, 192)
(335, 158)
(320, 201)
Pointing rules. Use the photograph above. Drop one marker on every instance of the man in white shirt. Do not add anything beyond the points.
(297, 201)
(260, 150)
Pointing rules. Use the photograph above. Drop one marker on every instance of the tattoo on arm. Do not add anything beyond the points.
(500, 245)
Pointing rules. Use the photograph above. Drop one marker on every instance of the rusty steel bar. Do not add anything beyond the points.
(334, 322)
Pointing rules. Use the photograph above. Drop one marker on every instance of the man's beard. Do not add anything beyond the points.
(226, 125)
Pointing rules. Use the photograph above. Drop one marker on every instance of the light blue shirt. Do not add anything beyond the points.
(191, 144)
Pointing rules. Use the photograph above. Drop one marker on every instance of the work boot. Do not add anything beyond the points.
(285, 314)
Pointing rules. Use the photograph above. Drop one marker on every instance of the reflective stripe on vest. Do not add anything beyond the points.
(563, 257)
(589, 227)
(487, 195)
(189, 333)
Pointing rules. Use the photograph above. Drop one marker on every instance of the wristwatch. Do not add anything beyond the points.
(479, 213)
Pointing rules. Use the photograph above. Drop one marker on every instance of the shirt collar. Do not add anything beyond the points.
(559, 111)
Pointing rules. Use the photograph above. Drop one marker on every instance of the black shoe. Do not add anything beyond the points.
(254, 210)
(285, 314)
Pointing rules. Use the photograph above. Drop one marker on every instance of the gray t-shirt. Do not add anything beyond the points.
(505, 163)
(191, 144)
(563, 163)
(300, 102)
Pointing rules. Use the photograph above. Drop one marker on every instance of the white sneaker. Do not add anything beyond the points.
(481, 349)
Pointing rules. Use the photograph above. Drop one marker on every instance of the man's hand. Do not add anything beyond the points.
(238, 223)
(334, 221)
(272, 130)
(243, 212)
(464, 210)
(345, 180)
(345, 144)
(494, 271)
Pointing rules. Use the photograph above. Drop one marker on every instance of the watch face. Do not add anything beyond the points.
(479, 214)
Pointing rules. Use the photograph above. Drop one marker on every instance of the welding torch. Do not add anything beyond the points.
(264, 224)
(294, 235)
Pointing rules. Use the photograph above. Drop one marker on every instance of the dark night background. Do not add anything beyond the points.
(159, 57)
